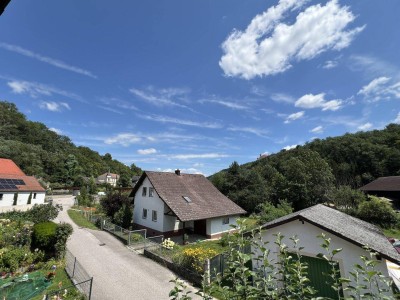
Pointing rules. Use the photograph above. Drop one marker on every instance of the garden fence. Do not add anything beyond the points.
(81, 279)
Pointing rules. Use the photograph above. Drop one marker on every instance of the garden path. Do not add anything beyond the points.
(118, 273)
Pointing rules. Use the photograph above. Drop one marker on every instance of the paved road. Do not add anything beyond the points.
(118, 273)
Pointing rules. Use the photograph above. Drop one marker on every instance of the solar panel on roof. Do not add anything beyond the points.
(8, 181)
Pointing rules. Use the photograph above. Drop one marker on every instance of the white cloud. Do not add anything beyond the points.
(294, 116)
(290, 147)
(380, 88)
(124, 139)
(397, 120)
(165, 119)
(269, 45)
(58, 131)
(282, 98)
(35, 89)
(365, 126)
(54, 106)
(255, 131)
(115, 102)
(192, 156)
(162, 97)
(229, 104)
(147, 151)
(330, 64)
(51, 61)
(318, 129)
(318, 101)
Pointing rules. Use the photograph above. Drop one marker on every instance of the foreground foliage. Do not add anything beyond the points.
(287, 277)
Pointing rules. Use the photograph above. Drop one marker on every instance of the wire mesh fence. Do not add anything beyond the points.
(79, 276)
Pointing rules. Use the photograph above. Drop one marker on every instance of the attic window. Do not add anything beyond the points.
(187, 199)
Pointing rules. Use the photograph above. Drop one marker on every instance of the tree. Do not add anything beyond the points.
(377, 212)
(113, 202)
(269, 212)
(346, 199)
(123, 217)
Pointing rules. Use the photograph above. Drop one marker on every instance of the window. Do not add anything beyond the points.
(154, 215)
(225, 221)
(144, 215)
(1, 196)
(34, 195)
(144, 191)
(151, 192)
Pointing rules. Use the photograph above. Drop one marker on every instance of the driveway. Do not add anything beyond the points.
(118, 273)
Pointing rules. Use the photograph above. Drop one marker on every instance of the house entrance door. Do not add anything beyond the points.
(200, 227)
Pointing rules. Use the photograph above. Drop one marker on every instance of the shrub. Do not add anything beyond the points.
(194, 258)
(269, 212)
(63, 232)
(44, 236)
(136, 237)
(168, 244)
(378, 212)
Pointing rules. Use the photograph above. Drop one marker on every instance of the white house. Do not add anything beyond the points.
(175, 203)
(18, 191)
(345, 232)
(109, 178)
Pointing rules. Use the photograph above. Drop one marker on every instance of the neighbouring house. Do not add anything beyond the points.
(16, 188)
(175, 203)
(109, 178)
(345, 232)
(384, 187)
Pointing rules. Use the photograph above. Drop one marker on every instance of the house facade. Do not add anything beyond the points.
(345, 232)
(174, 203)
(384, 187)
(109, 178)
(18, 191)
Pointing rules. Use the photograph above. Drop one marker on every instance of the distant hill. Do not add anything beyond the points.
(41, 152)
(304, 175)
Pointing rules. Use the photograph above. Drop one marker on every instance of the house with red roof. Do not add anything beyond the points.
(174, 204)
(18, 189)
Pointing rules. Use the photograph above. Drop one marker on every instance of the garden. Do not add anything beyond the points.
(32, 250)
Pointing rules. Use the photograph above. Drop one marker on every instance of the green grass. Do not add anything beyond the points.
(80, 220)
(392, 232)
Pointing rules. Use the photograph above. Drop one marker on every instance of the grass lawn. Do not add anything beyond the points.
(80, 220)
(392, 232)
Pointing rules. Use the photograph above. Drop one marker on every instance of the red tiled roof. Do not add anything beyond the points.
(206, 201)
(389, 184)
(31, 183)
(7, 166)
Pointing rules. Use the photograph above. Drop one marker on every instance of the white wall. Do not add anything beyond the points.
(307, 235)
(215, 226)
(150, 203)
(8, 198)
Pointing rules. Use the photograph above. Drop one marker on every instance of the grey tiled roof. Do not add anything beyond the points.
(347, 227)
(206, 200)
(390, 184)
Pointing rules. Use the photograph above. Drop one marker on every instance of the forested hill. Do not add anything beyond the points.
(41, 152)
(304, 176)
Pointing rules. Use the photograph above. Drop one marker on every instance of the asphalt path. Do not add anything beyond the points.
(118, 273)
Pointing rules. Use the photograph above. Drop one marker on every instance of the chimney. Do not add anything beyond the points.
(178, 172)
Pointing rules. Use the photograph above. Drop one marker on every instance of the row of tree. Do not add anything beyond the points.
(41, 152)
(308, 174)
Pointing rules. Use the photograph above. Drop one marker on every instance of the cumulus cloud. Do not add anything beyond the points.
(269, 45)
(380, 88)
(123, 139)
(365, 126)
(318, 129)
(294, 116)
(397, 120)
(51, 61)
(147, 151)
(318, 101)
(54, 106)
(289, 147)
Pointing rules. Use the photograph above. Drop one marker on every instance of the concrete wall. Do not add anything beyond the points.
(215, 226)
(8, 198)
(150, 203)
(307, 235)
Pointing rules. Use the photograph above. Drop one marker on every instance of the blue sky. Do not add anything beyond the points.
(199, 84)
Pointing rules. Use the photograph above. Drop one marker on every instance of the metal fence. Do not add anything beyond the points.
(81, 279)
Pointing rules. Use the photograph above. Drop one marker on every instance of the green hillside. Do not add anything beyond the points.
(304, 176)
(41, 152)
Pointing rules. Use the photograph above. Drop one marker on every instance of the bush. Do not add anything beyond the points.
(37, 214)
(377, 212)
(269, 212)
(44, 237)
(193, 258)
(63, 232)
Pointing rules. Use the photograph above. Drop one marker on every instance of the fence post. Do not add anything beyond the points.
(90, 289)
(207, 274)
(73, 270)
